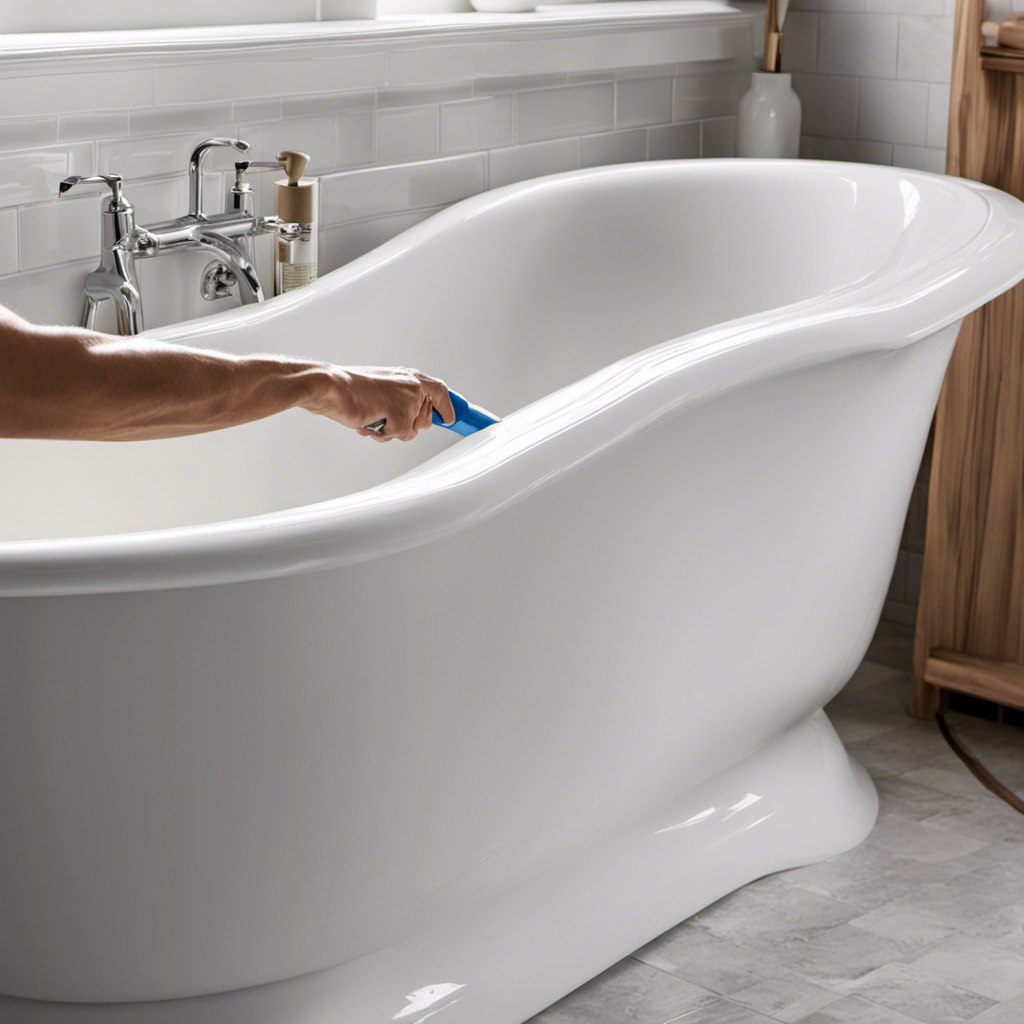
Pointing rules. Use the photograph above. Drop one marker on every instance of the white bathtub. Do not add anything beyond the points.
(369, 733)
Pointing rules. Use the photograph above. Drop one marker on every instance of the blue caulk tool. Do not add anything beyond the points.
(469, 418)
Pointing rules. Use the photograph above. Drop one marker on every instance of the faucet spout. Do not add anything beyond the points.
(249, 288)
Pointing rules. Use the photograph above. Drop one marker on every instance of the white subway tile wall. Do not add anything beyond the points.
(394, 136)
(873, 78)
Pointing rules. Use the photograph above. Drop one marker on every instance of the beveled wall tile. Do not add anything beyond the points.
(859, 151)
(643, 101)
(157, 201)
(406, 133)
(572, 110)
(196, 83)
(613, 148)
(926, 49)
(196, 117)
(68, 94)
(384, 190)
(329, 103)
(387, 98)
(517, 163)
(58, 232)
(8, 241)
(674, 141)
(482, 123)
(93, 125)
(33, 175)
(718, 137)
(919, 158)
(892, 111)
(708, 94)
(517, 83)
(828, 104)
(938, 115)
(24, 134)
(801, 41)
(861, 44)
(249, 111)
(159, 156)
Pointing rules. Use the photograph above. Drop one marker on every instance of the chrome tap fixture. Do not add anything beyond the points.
(228, 236)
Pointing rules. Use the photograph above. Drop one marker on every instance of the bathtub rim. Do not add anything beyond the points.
(446, 493)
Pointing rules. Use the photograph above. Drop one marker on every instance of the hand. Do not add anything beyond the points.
(356, 396)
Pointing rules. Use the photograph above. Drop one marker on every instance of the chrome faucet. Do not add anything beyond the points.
(228, 236)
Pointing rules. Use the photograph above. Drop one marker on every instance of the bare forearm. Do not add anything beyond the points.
(74, 384)
(63, 382)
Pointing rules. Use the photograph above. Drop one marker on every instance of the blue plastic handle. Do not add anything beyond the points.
(469, 418)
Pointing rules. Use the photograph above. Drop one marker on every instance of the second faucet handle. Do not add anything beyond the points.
(113, 180)
(195, 175)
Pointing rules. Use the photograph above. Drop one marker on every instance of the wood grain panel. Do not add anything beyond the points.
(972, 583)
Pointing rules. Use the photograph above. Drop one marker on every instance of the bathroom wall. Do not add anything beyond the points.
(396, 129)
(873, 78)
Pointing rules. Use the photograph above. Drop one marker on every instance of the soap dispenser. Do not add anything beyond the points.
(296, 201)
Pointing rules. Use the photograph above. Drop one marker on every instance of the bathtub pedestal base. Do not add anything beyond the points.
(796, 800)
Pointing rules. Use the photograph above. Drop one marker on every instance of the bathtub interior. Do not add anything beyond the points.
(508, 298)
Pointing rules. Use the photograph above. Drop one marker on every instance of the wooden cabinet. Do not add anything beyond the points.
(970, 622)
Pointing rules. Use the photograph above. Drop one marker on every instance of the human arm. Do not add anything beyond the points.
(76, 384)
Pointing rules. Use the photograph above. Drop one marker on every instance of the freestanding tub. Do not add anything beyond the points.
(300, 728)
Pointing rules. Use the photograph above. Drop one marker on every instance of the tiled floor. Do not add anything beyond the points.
(924, 922)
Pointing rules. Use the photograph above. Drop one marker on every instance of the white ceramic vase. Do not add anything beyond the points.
(768, 121)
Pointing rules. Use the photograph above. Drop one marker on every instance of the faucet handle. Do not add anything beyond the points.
(195, 166)
(113, 180)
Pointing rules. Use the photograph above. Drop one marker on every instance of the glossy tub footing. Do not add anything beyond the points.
(796, 800)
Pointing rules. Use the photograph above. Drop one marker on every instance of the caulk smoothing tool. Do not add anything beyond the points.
(469, 418)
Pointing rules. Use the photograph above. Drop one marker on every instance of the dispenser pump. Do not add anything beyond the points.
(294, 164)
(295, 202)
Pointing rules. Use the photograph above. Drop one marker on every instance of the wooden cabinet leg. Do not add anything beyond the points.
(924, 698)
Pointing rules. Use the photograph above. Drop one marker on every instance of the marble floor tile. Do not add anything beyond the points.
(1009, 1012)
(627, 992)
(722, 1011)
(955, 781)
(975, 965)
(695, 955)
(923, 841)
(911, 932)
(921, 924)
(854, 1010)
(836, 957)
(989, 821)
(898, 794)
(784, 999)
(915, 993)
(762, 916)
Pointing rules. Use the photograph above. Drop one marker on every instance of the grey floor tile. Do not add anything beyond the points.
(628, 991)
(722, 1011)
(853, 1010)
(1010, 1012)
(924, 841)
(975, 965)
(899, 794)
(784, 999)
(692, 953)
(911, 932)
(837, 957)
(921, 924)
(955, 781)
(915, 993)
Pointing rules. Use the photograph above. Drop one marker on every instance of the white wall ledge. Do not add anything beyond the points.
(720, 29)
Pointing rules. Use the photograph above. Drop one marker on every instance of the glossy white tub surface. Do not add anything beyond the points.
(303, 728)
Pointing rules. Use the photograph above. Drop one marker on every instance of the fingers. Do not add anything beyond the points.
(438, 392)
